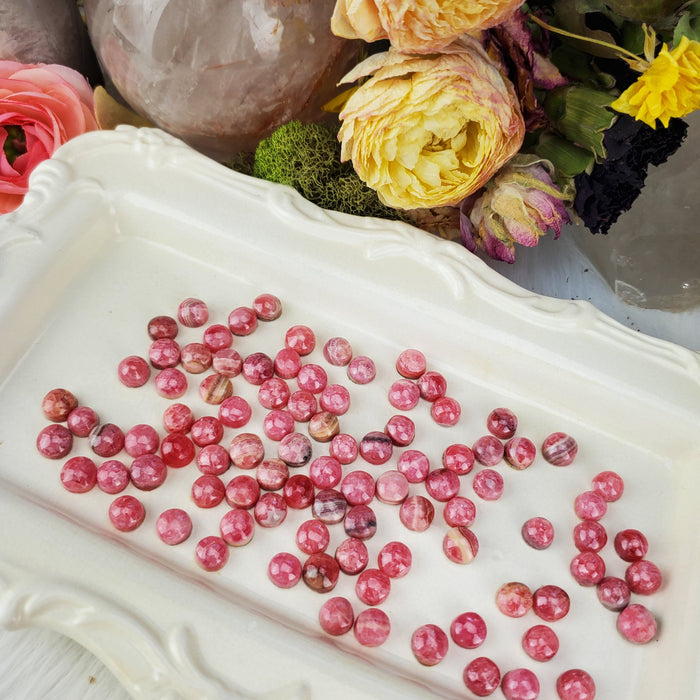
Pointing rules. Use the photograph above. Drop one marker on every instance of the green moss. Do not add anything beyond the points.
(307, 158)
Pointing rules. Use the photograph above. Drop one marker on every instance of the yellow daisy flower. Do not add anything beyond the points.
(669, 87)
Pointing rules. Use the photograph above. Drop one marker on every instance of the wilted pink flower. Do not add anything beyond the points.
(520, 204)
(41, 107)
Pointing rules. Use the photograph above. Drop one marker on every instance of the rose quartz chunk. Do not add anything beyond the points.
(372, 627)
(414, 465)
(162, 327)
(442, 485)
(336, 616)
(325, 473)
(488, 450)
(459, 511)
(174, 526)
(126, 513)
(352, 556)
(112, 476)
(432, 386)
(82, 420)
(643, 577)
(613, 593)
(57, 404)
(242, 321)
(313, 536)
(267, 307)
(395, 559)
(636, 624)
(312, 377)
(411, 363)
(590, 505)
(344, 448)
(481, 676)
(550, 603)
(401, 430)
(458, 458)
(559, 449)
(54, 441)
(488, 485)
(217, 337)
(192, 312)
(575, 684)
(171, 383)
(587, 568)
(372, 586)
(404, 394)
(502, 423)
(514, 599)
(227, 362)
(284, 570)
(468, 630)
(320, 572)
(609, 484)
(234, 412)
(337, 351)
(270, 510)
(538, 532)
(446, 411)
(195, 358)
(206, 430)
(300, 338)
(541, 643)
(208, 491)
(361, 370)
(417, 513)
(631, 545)
(133, 371)
(213, 459)
(141, 439)
(178, 418)
(520, 684)
(177, 450)
(148, 472)
(429, 645)
(392, 487)
(590, 536)
(335, 398)
(242, 491)
(211, 553)
(460, 545)
(79, 475)
(298, 491)
(520, 452)
(237, 527)
(376, 447)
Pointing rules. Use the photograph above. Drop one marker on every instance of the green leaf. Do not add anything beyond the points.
(581, 115)
(568, 160)
(688, 24)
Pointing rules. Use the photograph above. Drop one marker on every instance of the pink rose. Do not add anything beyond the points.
(41, 107)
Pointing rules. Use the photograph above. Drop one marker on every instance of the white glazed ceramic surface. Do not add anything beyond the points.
(121, 226)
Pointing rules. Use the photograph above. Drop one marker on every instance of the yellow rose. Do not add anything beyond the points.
(427, 131)
(417, 26)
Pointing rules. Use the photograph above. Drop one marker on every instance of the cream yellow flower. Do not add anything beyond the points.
(417, 26)
(428, 131)
(669, 87)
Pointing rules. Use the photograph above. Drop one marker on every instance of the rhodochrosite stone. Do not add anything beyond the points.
(220, 74)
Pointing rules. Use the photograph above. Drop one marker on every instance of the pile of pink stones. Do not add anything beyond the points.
(334, 495)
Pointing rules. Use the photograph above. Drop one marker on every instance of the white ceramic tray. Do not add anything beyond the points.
(121, 226)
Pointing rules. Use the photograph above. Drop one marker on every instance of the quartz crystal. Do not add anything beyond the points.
(220, 75)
